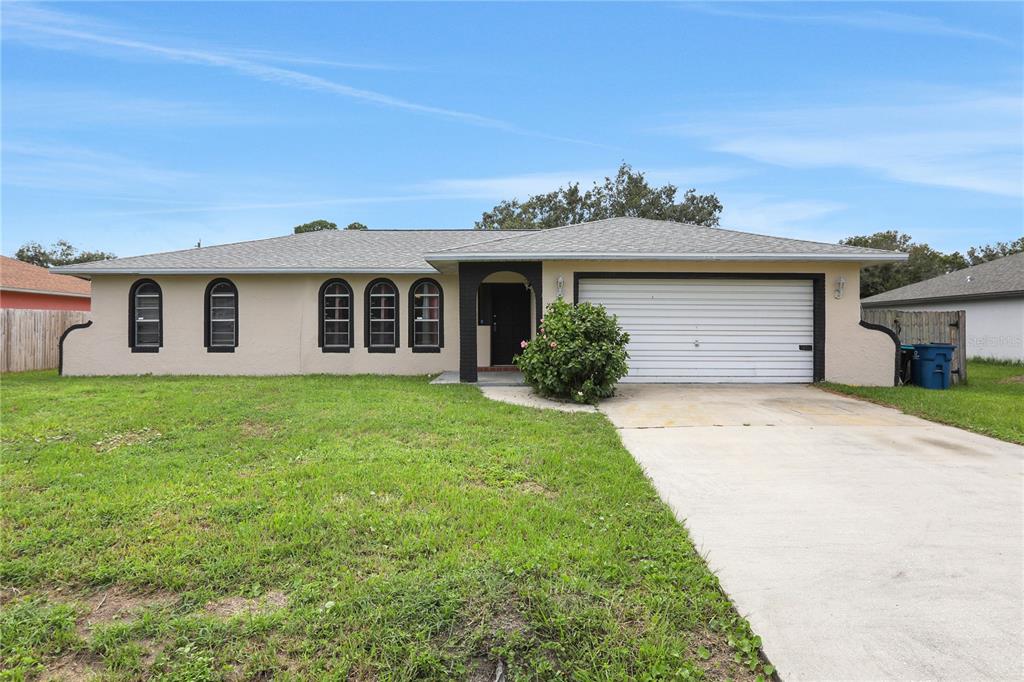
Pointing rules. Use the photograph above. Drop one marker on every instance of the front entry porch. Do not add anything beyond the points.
(484, 378)
(500, 304)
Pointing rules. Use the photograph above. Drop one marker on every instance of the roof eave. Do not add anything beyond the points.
(941, 299)
(858, 258)
(20, 290)
(244, 271)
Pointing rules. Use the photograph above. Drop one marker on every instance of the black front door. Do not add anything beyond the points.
(510, 321)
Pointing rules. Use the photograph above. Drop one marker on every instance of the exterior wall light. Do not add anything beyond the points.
(840, 286)
(560, 285)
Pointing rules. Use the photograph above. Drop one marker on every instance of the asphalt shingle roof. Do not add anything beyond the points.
(646, 238)
(327, 251)
(1003, 276)
(415, 250)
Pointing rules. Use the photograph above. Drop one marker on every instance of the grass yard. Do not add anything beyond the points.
(353, 528)
(992, 401)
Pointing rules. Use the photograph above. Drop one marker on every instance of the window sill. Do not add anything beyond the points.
(220, 349)
(145, 349)
(379, 349)
(426, 349)
(334, 349)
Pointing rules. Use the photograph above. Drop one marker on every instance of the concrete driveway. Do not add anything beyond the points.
(861, 543)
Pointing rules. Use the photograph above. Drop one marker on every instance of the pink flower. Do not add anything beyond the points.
(554, 344)
(522, 344)
(542, 330)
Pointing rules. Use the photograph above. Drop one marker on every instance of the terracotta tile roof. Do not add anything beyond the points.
(14, 274)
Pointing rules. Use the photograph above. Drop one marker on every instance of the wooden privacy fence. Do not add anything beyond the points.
(928, 326)
(29, 338)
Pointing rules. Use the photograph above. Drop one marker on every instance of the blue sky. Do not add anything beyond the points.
(141, 127)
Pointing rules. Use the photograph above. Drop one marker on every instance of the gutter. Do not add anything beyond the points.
(244, 271)
(859, 258)
(941, 299)
(44, 291)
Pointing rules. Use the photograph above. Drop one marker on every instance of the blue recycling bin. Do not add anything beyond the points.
(930, 366)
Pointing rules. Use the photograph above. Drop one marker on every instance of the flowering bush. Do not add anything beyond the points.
(579, 353)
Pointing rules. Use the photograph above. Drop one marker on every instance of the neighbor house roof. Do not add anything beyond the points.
(1001, 277)
(643, 239)
(16, 275)
(416, 251)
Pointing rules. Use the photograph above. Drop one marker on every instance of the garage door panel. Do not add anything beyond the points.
(712, 330)
(644, 350)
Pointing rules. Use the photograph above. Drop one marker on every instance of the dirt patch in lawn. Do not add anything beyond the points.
(535, 488)
(120, 440)
(484, 670)
(257, 429)
(509, 619)
(234, 606)
(715, 656)
(72, 667)
(118, 604)
(1018, 379)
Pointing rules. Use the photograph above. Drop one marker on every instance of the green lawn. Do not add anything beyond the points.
(992, 401)
(344, 528)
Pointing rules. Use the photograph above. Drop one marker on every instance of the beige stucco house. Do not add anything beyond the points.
(701, 304)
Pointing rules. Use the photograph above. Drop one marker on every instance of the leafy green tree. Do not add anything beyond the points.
(923, 262)
(977, 255)
(315, 226)
(627, 194)
(60, 253)
(356, 226)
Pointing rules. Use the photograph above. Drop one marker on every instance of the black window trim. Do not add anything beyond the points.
(321, 321)
(131, 317)
(206, 317)
(412, 317)
(366, 317)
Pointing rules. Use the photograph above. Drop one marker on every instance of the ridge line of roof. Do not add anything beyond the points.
(859, 249)
(280, 237)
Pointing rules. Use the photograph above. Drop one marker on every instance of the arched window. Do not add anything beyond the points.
(145, 317)
(381, 328)
(426, 317)
(335, 316)
(221, 329)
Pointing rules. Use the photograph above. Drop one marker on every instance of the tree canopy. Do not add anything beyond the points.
(627, 194)
(356, 226)
(923, 261)
(60, 253)
(315, 226)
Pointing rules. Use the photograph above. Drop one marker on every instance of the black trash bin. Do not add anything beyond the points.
(906, 361)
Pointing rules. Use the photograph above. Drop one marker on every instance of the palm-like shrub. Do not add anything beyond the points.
(579, 353)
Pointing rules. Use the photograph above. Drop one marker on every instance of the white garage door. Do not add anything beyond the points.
(712, 330)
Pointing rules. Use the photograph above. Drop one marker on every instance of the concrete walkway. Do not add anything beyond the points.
(861, 543)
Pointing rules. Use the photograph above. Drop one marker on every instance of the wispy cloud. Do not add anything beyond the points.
(283, 58)
(776, 215)
(35, 107)
(523, 185)
(242, 206)
(866, 19)
(59, 167)
(963, 140)
(34, 24)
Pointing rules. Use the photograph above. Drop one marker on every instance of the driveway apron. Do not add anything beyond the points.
(861, 543)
